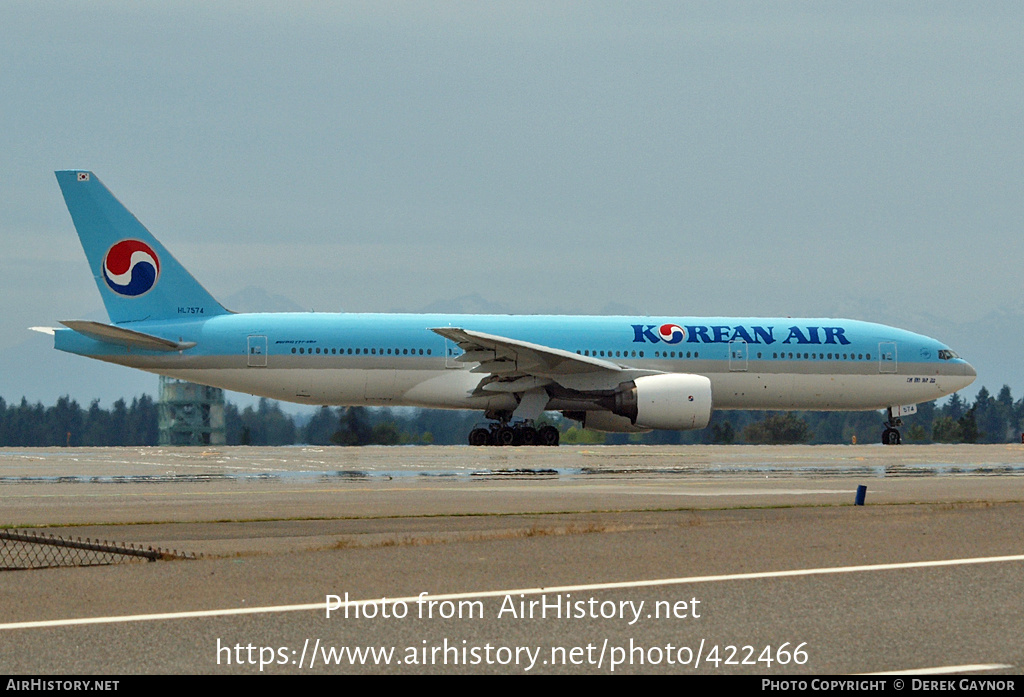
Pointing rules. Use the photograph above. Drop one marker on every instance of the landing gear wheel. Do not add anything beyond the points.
(479, 436)
(891, 434)
(526, 435)
(548, 435)
(506, 435)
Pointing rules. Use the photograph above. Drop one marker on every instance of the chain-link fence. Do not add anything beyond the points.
(20, 550)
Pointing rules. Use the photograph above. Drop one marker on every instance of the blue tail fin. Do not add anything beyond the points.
(137, 277)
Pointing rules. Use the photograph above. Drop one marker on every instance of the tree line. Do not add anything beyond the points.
(988, 419)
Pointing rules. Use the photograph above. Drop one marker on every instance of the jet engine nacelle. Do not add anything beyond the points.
(672, 401)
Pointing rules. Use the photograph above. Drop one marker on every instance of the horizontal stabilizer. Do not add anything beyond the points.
(110, 334)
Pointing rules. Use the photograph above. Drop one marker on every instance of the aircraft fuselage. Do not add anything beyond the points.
(395, 359)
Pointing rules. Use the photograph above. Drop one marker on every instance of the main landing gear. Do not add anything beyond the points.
(891, 434)
(522, 433)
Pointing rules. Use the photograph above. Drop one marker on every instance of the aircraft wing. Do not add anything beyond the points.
(499, 354)
(508, 358)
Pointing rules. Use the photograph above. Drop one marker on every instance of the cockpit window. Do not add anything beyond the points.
(947, 355)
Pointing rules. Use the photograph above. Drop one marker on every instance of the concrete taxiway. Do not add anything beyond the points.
(926, 576)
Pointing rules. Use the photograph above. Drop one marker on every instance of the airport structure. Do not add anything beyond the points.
(190, 414)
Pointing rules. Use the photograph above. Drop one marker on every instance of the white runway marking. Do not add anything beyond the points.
(515, 591)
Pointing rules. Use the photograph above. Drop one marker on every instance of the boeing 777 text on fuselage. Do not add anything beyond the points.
(621, 374)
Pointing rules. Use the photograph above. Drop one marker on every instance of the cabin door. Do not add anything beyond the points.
(887, 357)
(738, 355)
(257, 351)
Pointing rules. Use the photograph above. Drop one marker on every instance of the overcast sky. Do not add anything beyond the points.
(855, 159)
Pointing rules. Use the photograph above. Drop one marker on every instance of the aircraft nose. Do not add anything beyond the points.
(969, 374)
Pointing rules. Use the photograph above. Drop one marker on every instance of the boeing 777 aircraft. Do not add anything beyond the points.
(619, 374)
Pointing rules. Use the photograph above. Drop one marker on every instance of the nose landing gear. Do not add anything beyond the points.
(891, 434)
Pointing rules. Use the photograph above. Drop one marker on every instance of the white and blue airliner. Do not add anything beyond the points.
(620, 374)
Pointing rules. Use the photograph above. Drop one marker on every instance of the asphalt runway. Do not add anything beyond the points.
(582, 560)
